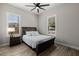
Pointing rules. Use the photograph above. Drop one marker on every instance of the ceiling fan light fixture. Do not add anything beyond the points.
(37, 7)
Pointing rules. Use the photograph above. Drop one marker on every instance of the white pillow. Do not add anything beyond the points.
(35, 33)
(29, 33)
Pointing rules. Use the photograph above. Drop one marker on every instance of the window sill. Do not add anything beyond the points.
(52, 35)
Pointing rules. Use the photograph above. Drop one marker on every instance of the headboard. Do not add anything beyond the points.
(24, 29)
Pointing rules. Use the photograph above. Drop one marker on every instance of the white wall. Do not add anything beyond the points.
(28, 19)
(67, 23)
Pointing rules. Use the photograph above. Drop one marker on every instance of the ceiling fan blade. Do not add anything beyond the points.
(42, 8)
(33, 9)
(30, 5)
(38, 10)
(34, 4)
(38, 3)
(44, 5)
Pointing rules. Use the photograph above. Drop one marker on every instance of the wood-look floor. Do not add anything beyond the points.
(23, 50)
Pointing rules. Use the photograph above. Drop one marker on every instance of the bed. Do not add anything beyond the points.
(38, 43)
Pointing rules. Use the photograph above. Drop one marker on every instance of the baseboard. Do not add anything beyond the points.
(6, 44)
(68, 45)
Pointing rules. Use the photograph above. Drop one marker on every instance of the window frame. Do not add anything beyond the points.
(9, 13)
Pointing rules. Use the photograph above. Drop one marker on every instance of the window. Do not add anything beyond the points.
(13, 22)
(51, 25)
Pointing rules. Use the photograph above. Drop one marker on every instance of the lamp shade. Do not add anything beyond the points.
(11, 29)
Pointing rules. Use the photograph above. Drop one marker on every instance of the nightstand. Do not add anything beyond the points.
(15, 41)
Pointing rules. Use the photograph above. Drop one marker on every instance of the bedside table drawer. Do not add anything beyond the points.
(15, 41)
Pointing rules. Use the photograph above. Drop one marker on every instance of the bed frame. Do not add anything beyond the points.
(40, 47)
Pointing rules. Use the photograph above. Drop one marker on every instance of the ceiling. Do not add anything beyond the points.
(22, 6)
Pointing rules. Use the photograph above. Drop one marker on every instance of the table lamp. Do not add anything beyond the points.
(11, 30)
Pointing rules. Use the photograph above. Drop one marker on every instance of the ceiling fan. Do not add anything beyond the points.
(37, 6)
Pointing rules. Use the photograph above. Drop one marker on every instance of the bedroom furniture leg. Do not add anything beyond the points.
(37, 54)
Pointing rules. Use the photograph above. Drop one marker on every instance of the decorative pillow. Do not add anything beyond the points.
(29, 33)
(35, 33)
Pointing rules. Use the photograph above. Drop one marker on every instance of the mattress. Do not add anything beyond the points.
(33, 41)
